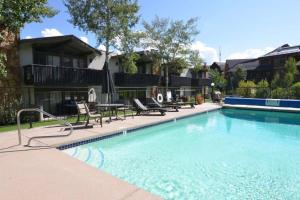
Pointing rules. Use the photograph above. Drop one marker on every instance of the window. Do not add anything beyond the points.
(40, 59)
(82, 63)
(75, 62)
(56, 61)
(67, 62)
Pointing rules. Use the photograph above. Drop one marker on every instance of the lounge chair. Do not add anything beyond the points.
(172, 102)
(140, 108)
(83, 109)
(154, 103)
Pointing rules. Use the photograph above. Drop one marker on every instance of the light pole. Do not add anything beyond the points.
(212, 91)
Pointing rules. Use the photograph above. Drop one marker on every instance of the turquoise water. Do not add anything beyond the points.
(226, 154)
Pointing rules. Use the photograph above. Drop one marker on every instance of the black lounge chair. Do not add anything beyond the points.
(154, 103)
(140, 108)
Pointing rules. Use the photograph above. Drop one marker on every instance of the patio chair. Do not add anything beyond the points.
(141, 108)
(172, 102)
(84, 110)
(152, 102)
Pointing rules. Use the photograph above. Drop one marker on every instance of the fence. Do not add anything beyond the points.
(265, 92)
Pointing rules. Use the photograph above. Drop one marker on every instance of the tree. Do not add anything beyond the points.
(171, 40)
(218, 79)
(263, 90)
(13, 16)
(128, 42)
(196, 61)
(290, 68)
(286, 79)
(107, 19)
(237, 76)
(296, 90)
(246, 89)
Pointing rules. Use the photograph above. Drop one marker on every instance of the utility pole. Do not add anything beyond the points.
(220, 54)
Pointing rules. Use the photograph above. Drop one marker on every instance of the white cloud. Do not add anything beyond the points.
(102, 47)
(28, 37)
(84, 39)
(50, 32)
(209, 54)
(250, 53)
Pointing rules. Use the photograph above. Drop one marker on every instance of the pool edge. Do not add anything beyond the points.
(95, 138)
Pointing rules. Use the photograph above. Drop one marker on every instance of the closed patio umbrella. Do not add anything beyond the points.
(109, 86)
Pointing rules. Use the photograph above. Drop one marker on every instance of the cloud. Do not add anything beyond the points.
(250, 53)
(84, 39)
(102, 47)
(28, 37)
(209, 54)
(50, 32)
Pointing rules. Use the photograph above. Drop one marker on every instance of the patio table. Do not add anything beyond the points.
(111, 107)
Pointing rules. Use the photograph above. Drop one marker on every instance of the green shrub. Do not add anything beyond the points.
(279, 93)
(296, 90)
(246, 89)
(263, 89)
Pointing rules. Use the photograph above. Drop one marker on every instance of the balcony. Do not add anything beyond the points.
(136, 80)
(45, 75)
(201, 82)
(178, 81)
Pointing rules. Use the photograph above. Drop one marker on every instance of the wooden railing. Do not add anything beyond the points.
(136, 80)
(45, 75)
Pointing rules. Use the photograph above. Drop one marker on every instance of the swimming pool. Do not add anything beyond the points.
(224, 154)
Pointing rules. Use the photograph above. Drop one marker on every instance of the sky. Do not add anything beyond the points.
(236, 28)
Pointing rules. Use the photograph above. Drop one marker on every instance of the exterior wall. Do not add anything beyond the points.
(97, 61)
(26, 55)
(114, 65)
(186, 73)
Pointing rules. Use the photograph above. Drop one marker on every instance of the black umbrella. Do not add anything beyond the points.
(109, 86)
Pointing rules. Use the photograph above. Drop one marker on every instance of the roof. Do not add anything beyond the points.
(53, 43)
(282, 50)
(233, 62)
(221, 65)
(246, 65)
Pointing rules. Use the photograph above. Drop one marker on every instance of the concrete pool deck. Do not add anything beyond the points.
(43, 172)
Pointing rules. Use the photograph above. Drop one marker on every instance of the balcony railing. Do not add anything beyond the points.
(178, 81)
(45, 75)
(136, 80)
(201, 82)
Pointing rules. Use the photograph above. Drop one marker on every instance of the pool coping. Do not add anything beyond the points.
(265, 108)
(82, 141)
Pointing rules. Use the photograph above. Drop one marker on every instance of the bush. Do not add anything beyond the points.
(279, 93)
(262, 89)
(296, 90)
(246, 89)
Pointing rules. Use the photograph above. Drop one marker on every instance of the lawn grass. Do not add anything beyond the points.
(71, 119)
(13, 127)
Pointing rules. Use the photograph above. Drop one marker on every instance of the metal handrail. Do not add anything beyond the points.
(38, 137)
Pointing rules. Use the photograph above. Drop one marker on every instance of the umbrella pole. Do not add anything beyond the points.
(108, 91)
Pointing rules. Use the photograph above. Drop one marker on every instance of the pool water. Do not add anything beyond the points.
(225, 154)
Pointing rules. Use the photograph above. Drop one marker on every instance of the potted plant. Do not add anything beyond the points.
(199, 98)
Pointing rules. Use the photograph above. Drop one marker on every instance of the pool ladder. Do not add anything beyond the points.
(40, 137)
